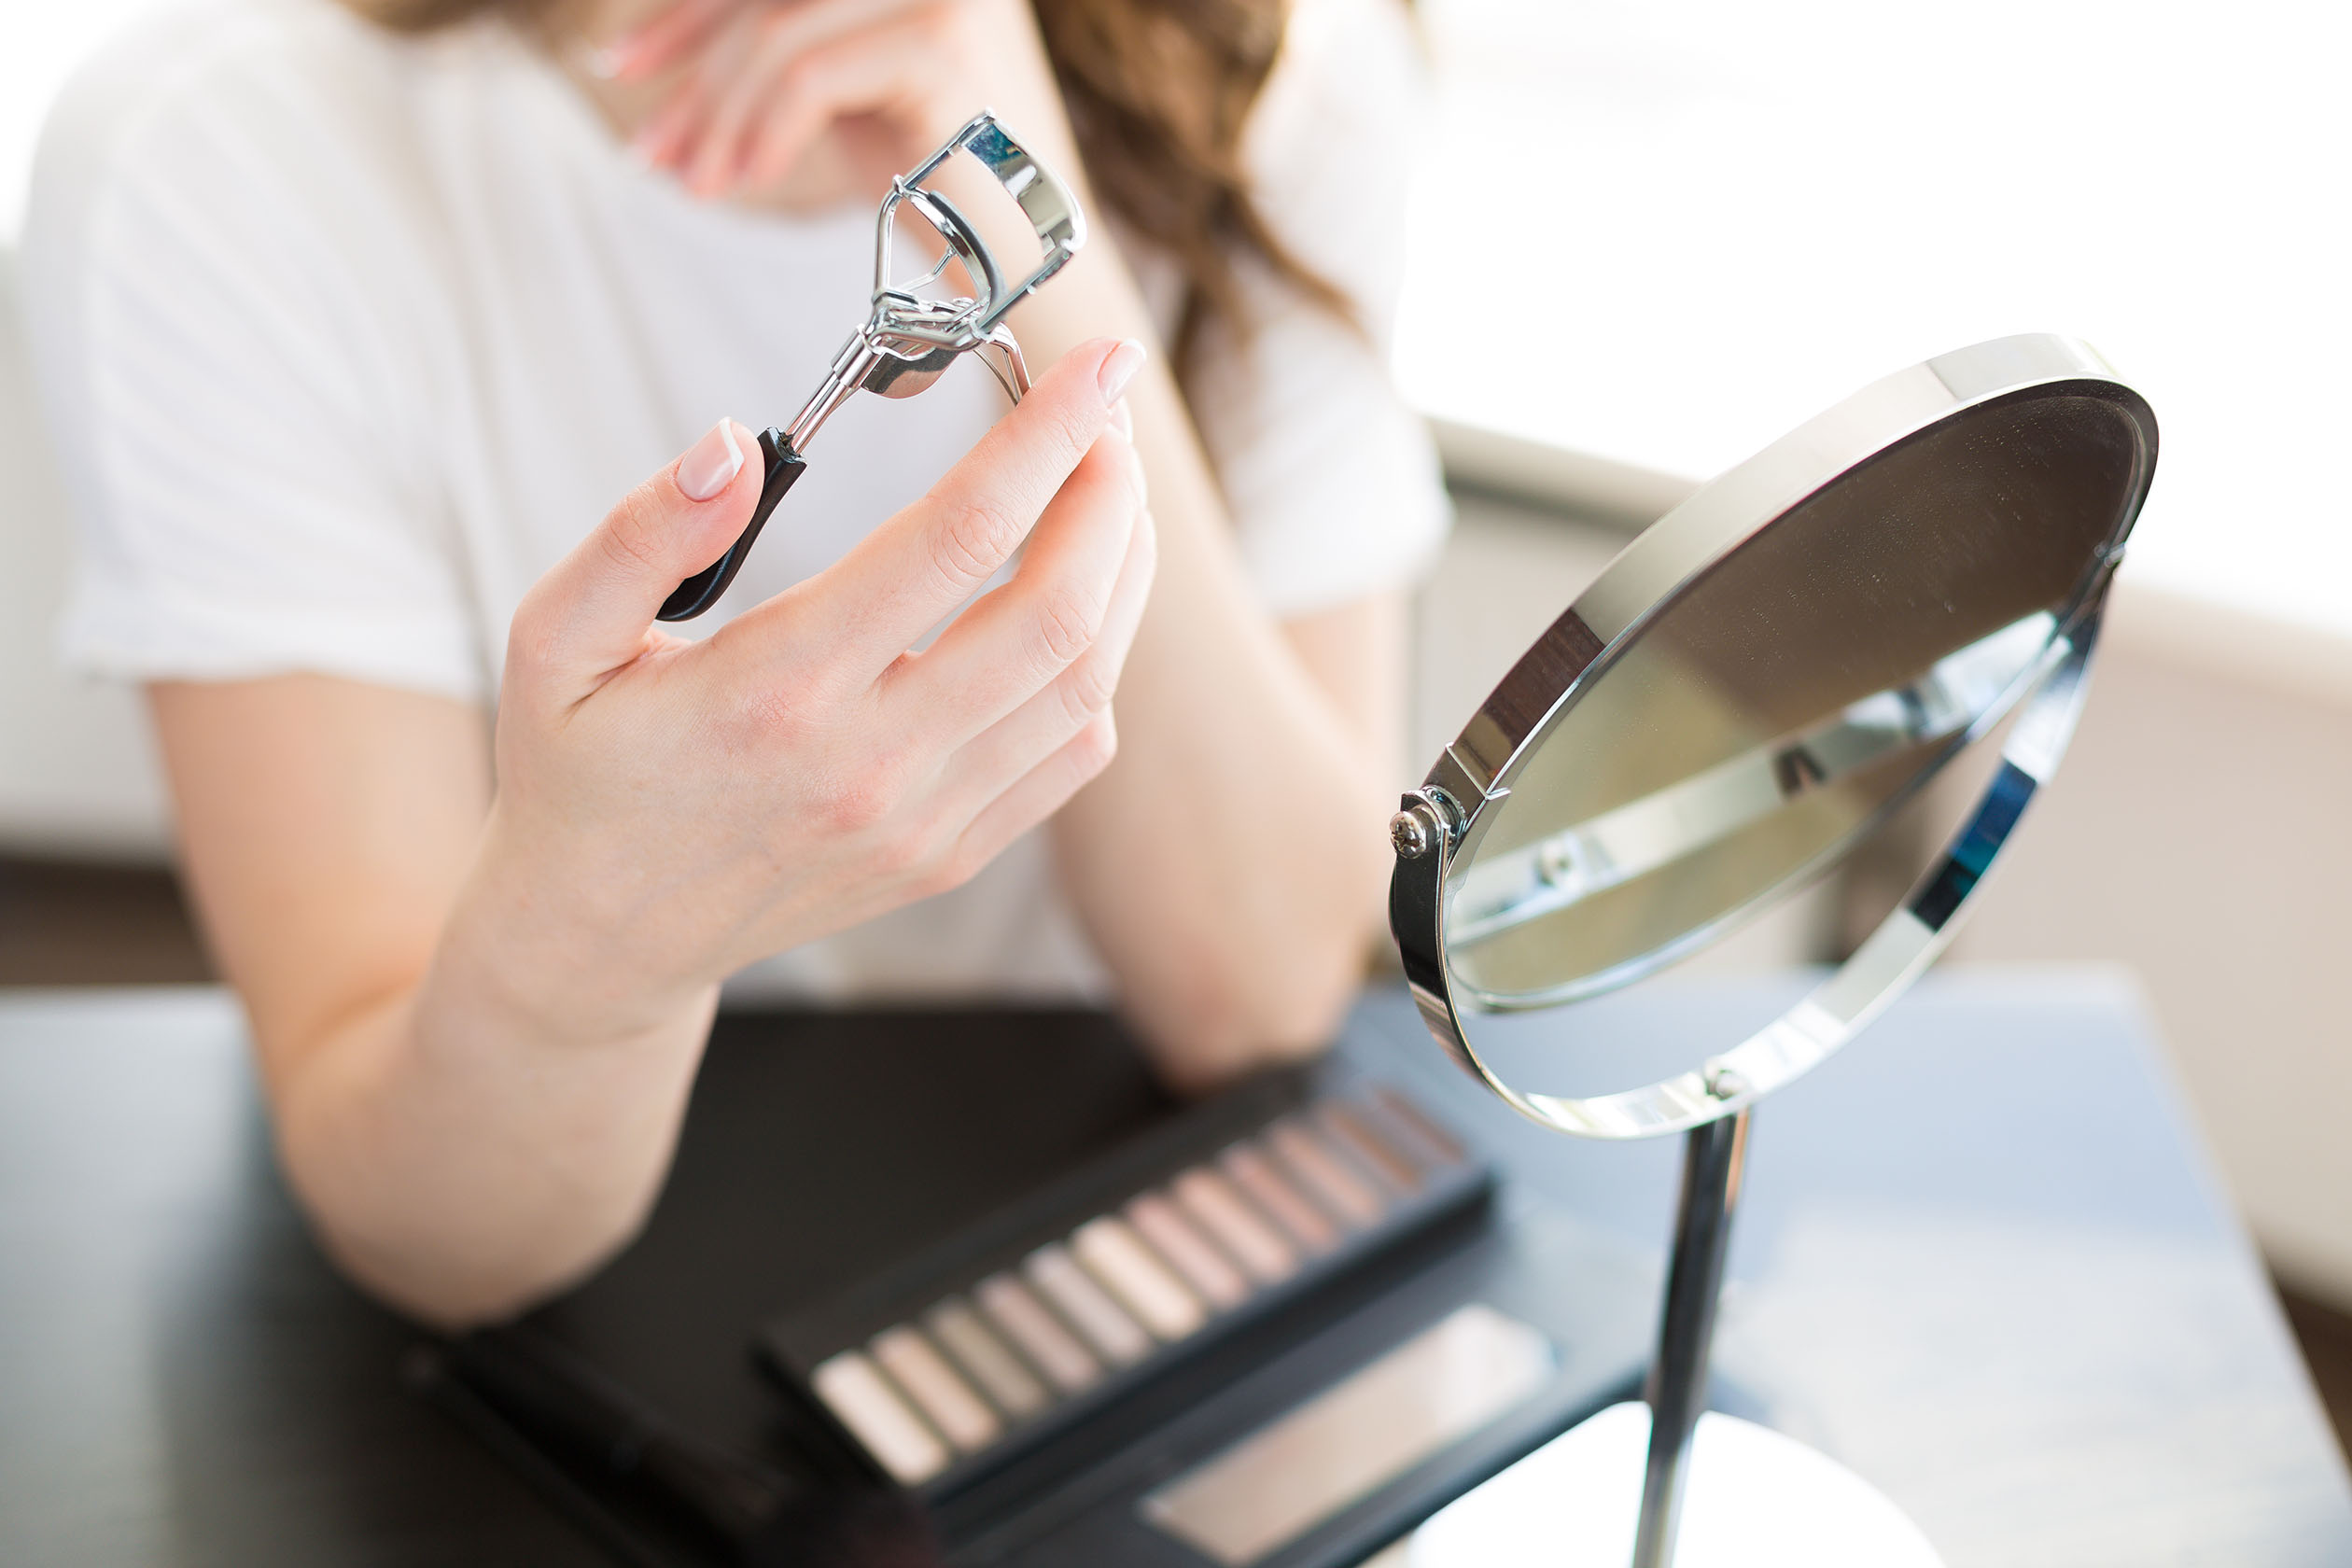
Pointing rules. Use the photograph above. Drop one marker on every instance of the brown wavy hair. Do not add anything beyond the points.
(1158, 92)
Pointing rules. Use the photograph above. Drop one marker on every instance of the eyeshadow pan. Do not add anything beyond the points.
(1349, 1128)
(915, 1363)
(1052, 1348)
(1143, 1284)
(1255, 1175)
(1430, 1141)
(1224, 1214)
(854, 1388)
(987, 1358)
(1325, 1174)
(1099, 1320)
(1194, 1256)
(935, 1369)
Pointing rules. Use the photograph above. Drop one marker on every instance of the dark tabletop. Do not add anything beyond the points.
(1984, 1262)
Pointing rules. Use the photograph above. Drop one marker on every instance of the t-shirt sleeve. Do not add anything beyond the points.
(1332, 479)
(214, 307)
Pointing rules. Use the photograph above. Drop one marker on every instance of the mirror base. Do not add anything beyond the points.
(1757, 1499)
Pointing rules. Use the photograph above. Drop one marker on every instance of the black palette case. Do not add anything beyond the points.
(975, 1275)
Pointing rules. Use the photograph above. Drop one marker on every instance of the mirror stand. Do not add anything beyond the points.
(1814, 1511)
(1740, 699)
(1713, 1157)
(1716, 1491)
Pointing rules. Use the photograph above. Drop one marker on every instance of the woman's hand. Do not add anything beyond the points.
(813, 101)
(478, 1041)
(669, 810)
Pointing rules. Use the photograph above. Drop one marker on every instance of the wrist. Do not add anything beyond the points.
(545, 961)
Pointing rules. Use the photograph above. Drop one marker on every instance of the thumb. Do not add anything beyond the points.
(592, 612)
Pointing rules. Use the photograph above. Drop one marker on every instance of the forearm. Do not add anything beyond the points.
(1229, 862)
(463, 1148)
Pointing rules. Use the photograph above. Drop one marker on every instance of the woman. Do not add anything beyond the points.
(351, 325)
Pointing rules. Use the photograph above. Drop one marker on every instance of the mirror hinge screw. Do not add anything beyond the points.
(1415, 830)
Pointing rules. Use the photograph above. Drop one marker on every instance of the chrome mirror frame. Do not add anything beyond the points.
(1440, 823)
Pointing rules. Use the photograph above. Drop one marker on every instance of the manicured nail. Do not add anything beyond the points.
(1123, 419)
(1119, 369)
(712, 463)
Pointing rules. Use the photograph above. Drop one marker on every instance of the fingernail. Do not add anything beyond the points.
(1123, 419)
(602, 64)
(712, 463)
(1119, 369)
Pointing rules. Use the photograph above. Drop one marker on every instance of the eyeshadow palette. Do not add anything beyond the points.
(1012, 1307)
(991, 1347)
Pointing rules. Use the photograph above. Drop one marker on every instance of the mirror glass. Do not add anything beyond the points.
(1784, 700)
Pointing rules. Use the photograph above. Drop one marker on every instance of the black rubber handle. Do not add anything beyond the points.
(701, 590)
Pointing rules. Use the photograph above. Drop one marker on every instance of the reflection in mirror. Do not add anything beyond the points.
(1778, 706)
(1579, 861)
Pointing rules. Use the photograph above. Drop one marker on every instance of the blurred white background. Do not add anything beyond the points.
(1665, 231)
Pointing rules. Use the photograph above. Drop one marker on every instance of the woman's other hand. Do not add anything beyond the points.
(807, 102)
(669, 810)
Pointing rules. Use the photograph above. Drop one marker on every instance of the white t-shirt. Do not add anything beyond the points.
(347, 338)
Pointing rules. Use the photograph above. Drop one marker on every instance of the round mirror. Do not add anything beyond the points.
(1752, 687)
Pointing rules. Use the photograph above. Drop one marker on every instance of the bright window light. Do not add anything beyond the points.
(1665, 231)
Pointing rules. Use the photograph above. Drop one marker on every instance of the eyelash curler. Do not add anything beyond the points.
(910, 339)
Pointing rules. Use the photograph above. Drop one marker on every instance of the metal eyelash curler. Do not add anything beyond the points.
(909, 340)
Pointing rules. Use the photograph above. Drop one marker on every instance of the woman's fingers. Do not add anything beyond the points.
(915, 570)
(664, 39)
(768, 82)
(1057, 613)
(804, 81)
(1037, 755)
(1012, 748)
(593, 611)
(764, 98)
(673, 134)
(1009, 752)
(1044, 790)
(1128, 599)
